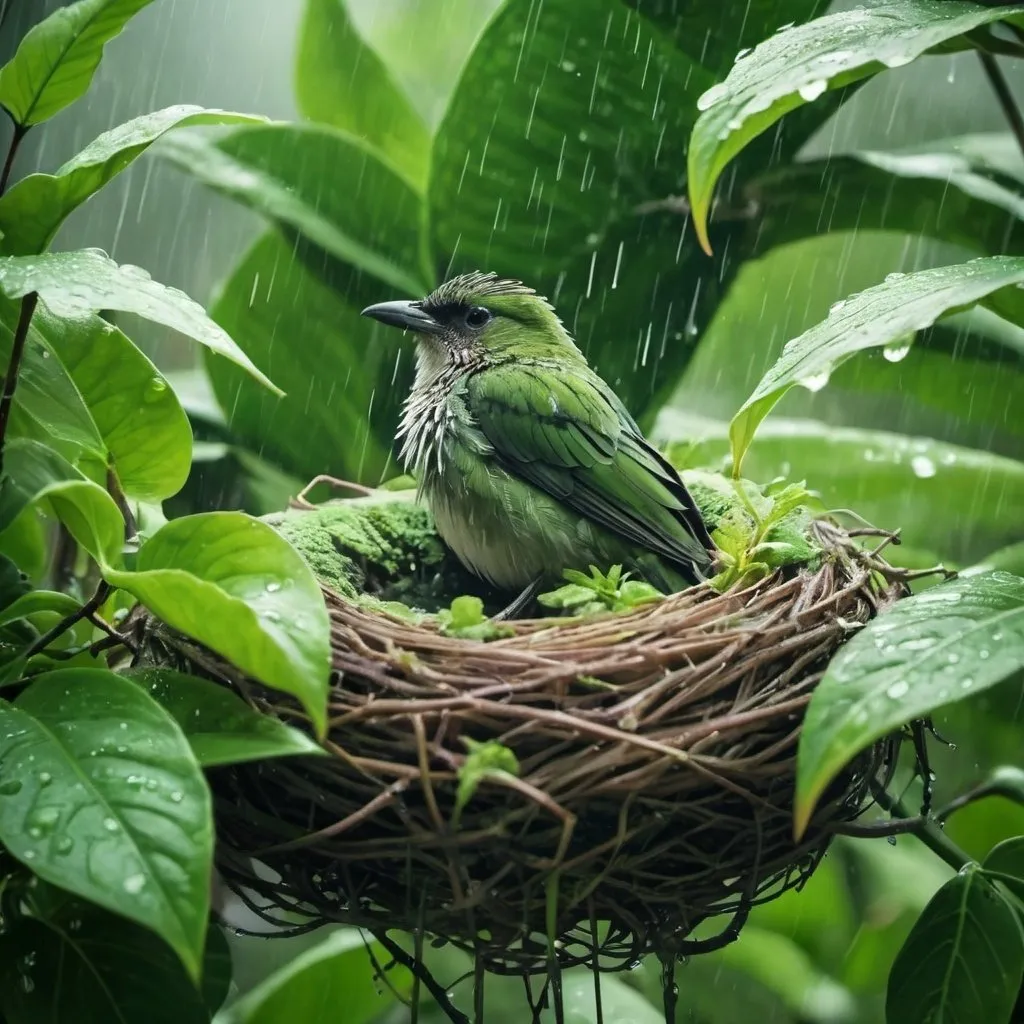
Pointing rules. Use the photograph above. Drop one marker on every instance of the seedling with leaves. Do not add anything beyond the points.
(598, 592)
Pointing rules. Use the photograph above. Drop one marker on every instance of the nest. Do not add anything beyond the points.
(654, 784)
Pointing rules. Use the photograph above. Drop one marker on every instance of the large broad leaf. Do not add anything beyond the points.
(330, 187)
(235, 585)
(47, 405)
(877, 317)
(104, 799)
(219, 725)
(947, 190)
(931, 649)
(56, 60)
(33, 210)
(798, 64)
(345, 380)
(145, 431)
(555, 163)
(893, 481)
(337, 972)
(34, 473)
(963, 960)
(86, 281)
(340, 81)
(85, 965)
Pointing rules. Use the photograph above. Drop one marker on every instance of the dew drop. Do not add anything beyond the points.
(712, 96)
(815, 381)
(836, 306)
(896, 351)
(134, 884)
(111, 825)
(812, 90)
(922, 466)
(898, 690)
(273, 587)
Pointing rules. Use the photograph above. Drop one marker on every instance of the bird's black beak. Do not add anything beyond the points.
(410, 316)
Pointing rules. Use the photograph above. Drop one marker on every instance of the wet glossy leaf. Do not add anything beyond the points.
(88, 966)
(36, 601)
(928, 650)
(893, 481)
(235, 585)
(962, 961)
(144, 429)
(34, 473)
(77, 283)
(797, 65)
(337, 972)
(35, 207)
(567, 184)
(344, 381)
(369, 217)
(57, 58)
(1005, 863)
(879, 316)
(340, 81)
(104, 798)
(47, 405)
(219, 725)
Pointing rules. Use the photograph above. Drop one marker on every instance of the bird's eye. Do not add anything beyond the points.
(477, 317)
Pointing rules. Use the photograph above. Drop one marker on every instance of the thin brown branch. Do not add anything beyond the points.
(1006, 99)
(91, 606)
(20, 131)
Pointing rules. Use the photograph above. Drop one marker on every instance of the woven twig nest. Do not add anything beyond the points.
(655, 749)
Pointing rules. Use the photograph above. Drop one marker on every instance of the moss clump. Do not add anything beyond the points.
(382, 546)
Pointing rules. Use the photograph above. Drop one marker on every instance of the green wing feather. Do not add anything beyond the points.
(566, 432)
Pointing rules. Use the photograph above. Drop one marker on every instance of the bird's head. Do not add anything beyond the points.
(479, 315)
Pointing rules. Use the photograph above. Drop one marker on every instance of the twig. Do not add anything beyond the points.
(28, 307)
(85, 612)
(927, 830)
(20, 131)
(1002, 90)
(437, 991)
(131, 529)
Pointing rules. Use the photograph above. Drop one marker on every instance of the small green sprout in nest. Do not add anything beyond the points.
(579, 789)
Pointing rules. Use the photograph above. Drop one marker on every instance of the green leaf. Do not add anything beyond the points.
(797, 65)
(336, 973)
(943, 645)
(874, 318)
(483, 761)
(104, 799)
(219, 725)
(280, 170)
(340, 81)
(344, 383)
(34, 209)
(1005, 863)
(86, 281)
(145, 431)
(84, 965)
(963, 960)
(893, 481)
(36, 601)
(236, 586)
(47, 405)
(556, 163)
(57, 58)
(34, 473)
(466, 619)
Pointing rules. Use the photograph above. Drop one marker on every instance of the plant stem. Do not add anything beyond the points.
(20, 131)
(28, 307)
(131, 530)
(1002, 90)
(928, 832)
(85, 612)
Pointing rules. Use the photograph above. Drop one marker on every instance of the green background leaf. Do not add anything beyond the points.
(104, 798)
(56, 60)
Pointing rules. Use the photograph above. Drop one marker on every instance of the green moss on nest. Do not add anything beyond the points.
(383, 549)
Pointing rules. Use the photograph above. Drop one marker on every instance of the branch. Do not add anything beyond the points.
(1002, 90)
(927, 830)
(85, 612)
(28, 307)
(20, 131)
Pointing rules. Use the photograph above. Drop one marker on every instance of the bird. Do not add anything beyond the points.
(527, 459)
